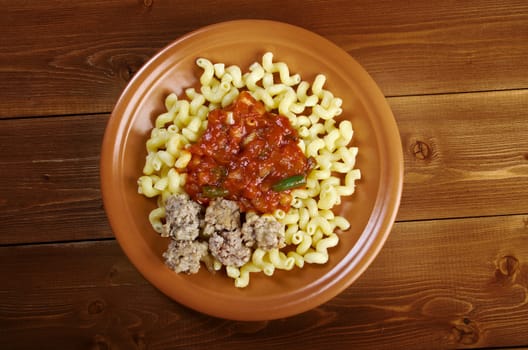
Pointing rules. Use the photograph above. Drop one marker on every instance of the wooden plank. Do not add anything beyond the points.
(465, 154)
(436, 284)
(49, 174)
(50, 184)
(73, 58)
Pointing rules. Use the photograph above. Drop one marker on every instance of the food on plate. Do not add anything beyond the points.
(246, 171)
(247, 155)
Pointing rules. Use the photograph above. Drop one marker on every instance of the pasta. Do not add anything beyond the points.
(311, 228)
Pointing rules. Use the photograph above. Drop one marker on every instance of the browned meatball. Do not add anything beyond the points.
(262, 232)
(228, 248)
(221, 215)
(182, 217)
(185, 255)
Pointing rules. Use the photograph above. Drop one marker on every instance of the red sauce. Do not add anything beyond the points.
(242, 154)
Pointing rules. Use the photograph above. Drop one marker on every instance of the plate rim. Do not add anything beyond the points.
(387, 218)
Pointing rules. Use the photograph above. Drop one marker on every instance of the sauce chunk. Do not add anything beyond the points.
(246, 154)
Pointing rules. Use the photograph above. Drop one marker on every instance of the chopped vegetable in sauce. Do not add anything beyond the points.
(247, 155)
(289, 183)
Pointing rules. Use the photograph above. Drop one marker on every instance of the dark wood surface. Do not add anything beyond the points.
(454, 271)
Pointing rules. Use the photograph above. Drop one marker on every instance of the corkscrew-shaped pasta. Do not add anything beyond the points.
(311, 228)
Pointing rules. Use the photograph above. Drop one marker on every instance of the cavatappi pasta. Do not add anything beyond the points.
(310, 225)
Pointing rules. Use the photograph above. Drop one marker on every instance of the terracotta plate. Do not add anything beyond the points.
(371, 210)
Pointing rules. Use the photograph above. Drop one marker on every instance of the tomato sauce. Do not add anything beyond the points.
(244, 153)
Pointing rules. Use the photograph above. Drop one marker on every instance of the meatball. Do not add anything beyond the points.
(263, 232)
(182, 217)
(221, 215)
(228, 248)
(185, 255)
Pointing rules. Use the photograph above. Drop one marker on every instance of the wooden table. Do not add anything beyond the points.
(454, 271)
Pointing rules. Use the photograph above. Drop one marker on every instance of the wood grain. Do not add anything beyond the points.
(72, 58)
(414, 296)
(454, 271)
(465, 154)
(49, 171)
(50, 185)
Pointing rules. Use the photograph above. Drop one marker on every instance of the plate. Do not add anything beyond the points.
(371, 210)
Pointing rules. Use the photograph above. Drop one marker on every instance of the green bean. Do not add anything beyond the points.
(289, 183)
(213, 191)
